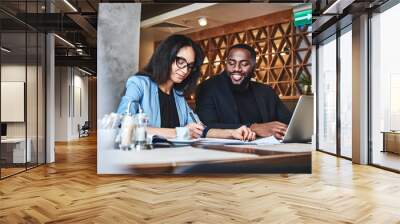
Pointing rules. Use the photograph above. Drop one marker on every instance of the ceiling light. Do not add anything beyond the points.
(70, 5)
(65, 41)
(84, 71)
(5, 50)
(337, 7)
(202, 21)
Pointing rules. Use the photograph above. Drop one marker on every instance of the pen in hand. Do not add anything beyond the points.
(195, 118)
(197, 121)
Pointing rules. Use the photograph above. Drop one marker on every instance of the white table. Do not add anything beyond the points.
(188, 159)
(18, 151)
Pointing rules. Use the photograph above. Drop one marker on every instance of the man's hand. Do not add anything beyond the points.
(243, 133)
(275, 128)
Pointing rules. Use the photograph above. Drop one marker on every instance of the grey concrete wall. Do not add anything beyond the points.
(118, 41)
(118, 37)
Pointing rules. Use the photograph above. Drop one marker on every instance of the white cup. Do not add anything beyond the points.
(182, 133)
(106, 138)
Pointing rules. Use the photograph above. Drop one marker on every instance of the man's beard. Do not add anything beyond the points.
(243, 86)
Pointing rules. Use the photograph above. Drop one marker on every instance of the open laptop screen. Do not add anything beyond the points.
(301, 125)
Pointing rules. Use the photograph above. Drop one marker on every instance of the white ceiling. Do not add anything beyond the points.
(217, 15)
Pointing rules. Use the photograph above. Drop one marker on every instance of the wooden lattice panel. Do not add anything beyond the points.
(283, 54)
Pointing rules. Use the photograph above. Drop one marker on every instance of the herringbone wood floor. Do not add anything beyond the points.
(70, 191)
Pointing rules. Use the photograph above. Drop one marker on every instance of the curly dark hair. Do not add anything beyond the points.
(160, 64)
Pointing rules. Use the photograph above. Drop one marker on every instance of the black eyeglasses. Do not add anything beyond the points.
(182, 63)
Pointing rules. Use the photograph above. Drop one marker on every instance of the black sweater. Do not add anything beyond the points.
(217, 108)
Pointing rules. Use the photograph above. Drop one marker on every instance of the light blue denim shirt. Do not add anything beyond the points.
(142, 90)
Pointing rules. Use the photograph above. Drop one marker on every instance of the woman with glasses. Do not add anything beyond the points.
(160, 90)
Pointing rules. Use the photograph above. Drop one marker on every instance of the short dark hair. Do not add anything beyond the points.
(160, 64)
(252, 52)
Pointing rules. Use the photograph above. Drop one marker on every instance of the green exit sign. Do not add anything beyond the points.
(302, 15)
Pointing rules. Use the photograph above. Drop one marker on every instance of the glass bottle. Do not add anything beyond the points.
(126, 132)
(141, 123)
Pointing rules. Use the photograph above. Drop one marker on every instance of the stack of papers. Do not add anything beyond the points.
(221, 141)
(267, 141)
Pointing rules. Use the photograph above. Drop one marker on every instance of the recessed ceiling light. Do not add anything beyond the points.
(70, 5)
(5, 50)
(64, 40)
(84, 71)
(202, 21)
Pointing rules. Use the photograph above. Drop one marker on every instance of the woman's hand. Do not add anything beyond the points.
(195, 130)
(243, 133)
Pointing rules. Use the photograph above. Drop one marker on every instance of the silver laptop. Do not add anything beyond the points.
(301, 125)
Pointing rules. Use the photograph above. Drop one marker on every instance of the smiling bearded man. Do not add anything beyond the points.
(231, 99)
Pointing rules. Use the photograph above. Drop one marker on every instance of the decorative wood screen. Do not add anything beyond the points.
(283, 54)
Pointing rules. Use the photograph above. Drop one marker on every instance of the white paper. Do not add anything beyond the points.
(183, 141)
(223, 141)
(267, 141)
(262, 141)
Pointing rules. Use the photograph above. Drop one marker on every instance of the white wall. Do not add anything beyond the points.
(33, 126)
(80, 111)
(70, 84)
(61, 103)
(16, 72)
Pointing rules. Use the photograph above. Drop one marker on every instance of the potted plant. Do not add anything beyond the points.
(305, 82)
